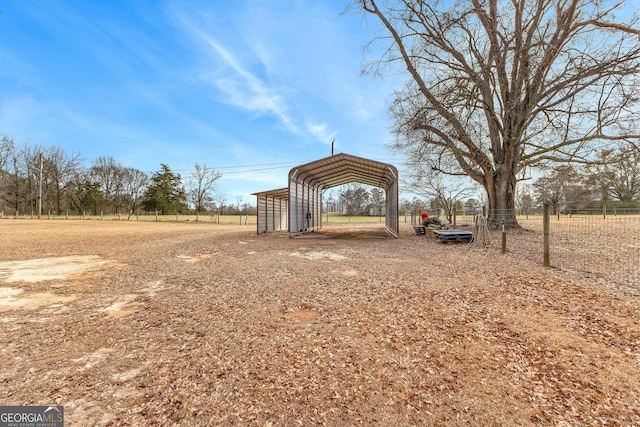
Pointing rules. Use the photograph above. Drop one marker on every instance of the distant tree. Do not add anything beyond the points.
(377, 199)
(239, 200)
(377, 196)
(495, 86)
(16, 185)
(524, 200)
(7, 151)
(89, 195)
(7, 148)
(472, 207)
(111, 177)
(60, 168)
(413, 205)
(355, 198)
(165, 192)
(218, 205)
(559, 188)
(201, 187)
(134, 183)
(445, 192)
(616, 174)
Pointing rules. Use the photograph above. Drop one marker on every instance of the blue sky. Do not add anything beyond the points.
(251, 88)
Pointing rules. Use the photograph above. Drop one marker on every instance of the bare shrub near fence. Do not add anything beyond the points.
(603, 247)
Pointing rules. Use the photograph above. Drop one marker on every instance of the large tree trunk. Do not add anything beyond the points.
(501, 191)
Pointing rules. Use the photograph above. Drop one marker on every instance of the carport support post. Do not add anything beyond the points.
(545, 234)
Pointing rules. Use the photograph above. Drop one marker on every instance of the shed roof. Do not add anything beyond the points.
(280, 193)
(342, 169)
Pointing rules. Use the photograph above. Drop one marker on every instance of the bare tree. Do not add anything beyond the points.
(7, 150)
(558, 188)
(26, 165)
(134, 184)
(617, 173)
(60, 168)
(445, 192)
(201, 187)
(111, 176)
(524, 201)
(239, 200)
(218, 206)
(499, 85)
(355, 197)
(377, 198)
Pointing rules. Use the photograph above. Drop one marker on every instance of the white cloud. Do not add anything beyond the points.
(241, 87)
(320, 131)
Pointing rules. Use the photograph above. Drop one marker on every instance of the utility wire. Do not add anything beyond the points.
(269, 166)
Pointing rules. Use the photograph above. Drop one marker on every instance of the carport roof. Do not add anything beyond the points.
(342, 169)
(280, 193)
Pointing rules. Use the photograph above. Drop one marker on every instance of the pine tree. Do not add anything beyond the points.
(165, 192)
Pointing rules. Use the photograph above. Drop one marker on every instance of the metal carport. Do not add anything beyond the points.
(308, 181)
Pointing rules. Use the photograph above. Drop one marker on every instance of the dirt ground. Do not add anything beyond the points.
(132, 323)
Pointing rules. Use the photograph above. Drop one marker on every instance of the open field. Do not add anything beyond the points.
(144, 323)
(222, 219)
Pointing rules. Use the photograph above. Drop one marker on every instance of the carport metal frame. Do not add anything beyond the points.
(307, 182)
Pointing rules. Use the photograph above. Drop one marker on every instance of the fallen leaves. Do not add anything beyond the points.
(268, 330)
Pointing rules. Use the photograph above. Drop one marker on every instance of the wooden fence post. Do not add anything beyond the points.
(545, 240)
(454, 217)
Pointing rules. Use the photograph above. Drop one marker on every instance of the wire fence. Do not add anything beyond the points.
(597, 243)
(592, 242)
(177, 217)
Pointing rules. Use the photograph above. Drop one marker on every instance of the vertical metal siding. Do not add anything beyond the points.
(272, 214)
(392, 221)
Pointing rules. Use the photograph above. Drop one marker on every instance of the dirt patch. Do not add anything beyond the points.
(198, 258)
(41, 270)
(14, 299)
(55, 268)
(125, 306)
(315, 255)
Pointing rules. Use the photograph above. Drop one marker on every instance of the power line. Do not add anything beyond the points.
(260, 168)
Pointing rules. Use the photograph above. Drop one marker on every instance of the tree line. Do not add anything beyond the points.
(34, 177)
(611, 179)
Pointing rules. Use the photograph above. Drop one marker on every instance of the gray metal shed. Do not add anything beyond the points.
(303, 197)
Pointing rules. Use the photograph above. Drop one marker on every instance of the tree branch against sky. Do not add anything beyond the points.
(201, 187)
(496, 86)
